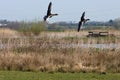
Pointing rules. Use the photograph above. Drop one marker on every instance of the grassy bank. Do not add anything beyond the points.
(16, 75)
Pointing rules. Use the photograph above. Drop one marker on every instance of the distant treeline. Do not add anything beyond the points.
(61, 26)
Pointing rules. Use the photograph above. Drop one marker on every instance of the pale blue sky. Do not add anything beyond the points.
(68, 10)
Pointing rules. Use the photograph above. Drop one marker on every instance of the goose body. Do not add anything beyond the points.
(49, 14)
(82, 21)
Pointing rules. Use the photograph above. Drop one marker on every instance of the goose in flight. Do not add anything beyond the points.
(49, 14)
(82, 21)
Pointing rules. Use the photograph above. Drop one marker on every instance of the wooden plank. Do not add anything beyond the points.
(97, 34)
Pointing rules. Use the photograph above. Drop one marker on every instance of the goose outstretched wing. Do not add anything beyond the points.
(49, 9)
(82, 17)
(79, 25)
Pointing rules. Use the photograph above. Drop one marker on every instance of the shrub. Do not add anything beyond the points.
(37, 27)
(32, 28)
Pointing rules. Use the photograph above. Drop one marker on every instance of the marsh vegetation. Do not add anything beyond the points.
(58, 52)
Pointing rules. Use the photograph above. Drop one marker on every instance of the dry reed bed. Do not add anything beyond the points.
(79, 60)
(42, 53)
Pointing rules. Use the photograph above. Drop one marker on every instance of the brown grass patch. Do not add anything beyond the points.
(6, 33)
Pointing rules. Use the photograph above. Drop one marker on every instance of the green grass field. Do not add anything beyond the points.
(16, 75)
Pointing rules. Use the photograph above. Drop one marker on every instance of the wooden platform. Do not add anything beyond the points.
(97, 34)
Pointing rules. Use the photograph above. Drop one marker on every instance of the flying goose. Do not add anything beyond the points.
(82, 21)
(49, 14)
